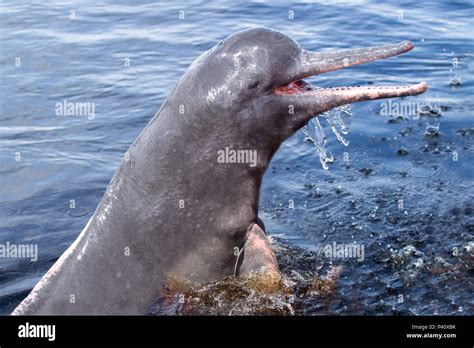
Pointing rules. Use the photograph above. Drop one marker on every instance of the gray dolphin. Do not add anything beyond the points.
(174, 208)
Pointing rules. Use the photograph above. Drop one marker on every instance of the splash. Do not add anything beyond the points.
(305, 280)
(338, 119)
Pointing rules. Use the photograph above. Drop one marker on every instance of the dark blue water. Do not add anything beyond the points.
(126, 57)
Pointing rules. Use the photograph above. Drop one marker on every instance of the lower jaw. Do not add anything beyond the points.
(371, 92)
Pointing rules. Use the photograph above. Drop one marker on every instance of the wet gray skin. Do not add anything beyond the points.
(172, 209)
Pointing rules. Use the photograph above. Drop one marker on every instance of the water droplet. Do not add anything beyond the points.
(314, 131)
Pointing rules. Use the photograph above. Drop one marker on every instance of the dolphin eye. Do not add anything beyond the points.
(254, 85)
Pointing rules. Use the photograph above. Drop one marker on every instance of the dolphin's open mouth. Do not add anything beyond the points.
(318, 63)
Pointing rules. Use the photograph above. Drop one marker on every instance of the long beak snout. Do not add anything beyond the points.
(314, 63)
(311, 101)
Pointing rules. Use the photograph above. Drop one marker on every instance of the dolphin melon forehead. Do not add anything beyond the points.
(276, 44)
(270, 54)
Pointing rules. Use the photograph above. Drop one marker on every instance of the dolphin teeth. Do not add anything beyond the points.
(303, 87)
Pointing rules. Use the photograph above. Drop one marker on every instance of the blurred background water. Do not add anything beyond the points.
(401, 189)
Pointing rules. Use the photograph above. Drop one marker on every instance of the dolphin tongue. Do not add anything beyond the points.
(295, 88)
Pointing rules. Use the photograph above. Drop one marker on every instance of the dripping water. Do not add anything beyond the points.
(338, 119)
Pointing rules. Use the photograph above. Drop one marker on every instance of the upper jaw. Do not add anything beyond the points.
(315, 63)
